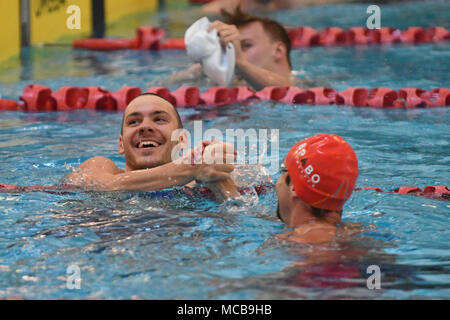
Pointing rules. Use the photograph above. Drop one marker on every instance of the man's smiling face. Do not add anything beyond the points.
(148, 124)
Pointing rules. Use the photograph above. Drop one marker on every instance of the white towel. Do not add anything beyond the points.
(204, 47)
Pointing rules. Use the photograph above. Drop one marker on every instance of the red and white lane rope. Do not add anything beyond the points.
(151, 38)
(38, 98)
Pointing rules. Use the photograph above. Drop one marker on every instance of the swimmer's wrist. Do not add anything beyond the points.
(191, 171)
(195, 172)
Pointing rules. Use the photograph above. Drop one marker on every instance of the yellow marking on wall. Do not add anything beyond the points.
(10, 29)
(117, 8)
(49, 18)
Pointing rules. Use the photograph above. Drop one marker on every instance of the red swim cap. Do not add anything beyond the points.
(323, 169)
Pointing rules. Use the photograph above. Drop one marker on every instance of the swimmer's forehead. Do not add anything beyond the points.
(253, 31)
(149, 104)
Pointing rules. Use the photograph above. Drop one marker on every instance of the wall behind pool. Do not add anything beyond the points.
(10, 29)
(48, 20)
(115, 9)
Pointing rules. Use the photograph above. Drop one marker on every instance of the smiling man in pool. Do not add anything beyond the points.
(318, 176)
(146, 141)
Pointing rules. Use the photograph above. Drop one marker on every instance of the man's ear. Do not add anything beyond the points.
(121, 148)
(279, 51)
(292, 190)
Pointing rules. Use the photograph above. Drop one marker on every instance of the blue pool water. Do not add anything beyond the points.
(130, 245)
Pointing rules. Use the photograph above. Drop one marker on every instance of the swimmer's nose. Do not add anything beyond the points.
(146, 129)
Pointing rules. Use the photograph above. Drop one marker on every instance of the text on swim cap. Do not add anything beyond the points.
(315, 178)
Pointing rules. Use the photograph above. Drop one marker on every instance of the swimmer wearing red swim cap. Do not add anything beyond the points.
(318, 177)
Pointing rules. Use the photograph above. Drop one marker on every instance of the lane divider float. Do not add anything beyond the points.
(39, 98)
(432, 192)
(151, 38)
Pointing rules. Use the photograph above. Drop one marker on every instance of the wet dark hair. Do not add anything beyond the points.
(274, 29)
(180, 123)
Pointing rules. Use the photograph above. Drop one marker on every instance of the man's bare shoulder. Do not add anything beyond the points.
(99, 163)
(91, 170)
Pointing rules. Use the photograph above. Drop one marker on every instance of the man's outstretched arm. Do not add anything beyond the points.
(101, 173)
(193, 73)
